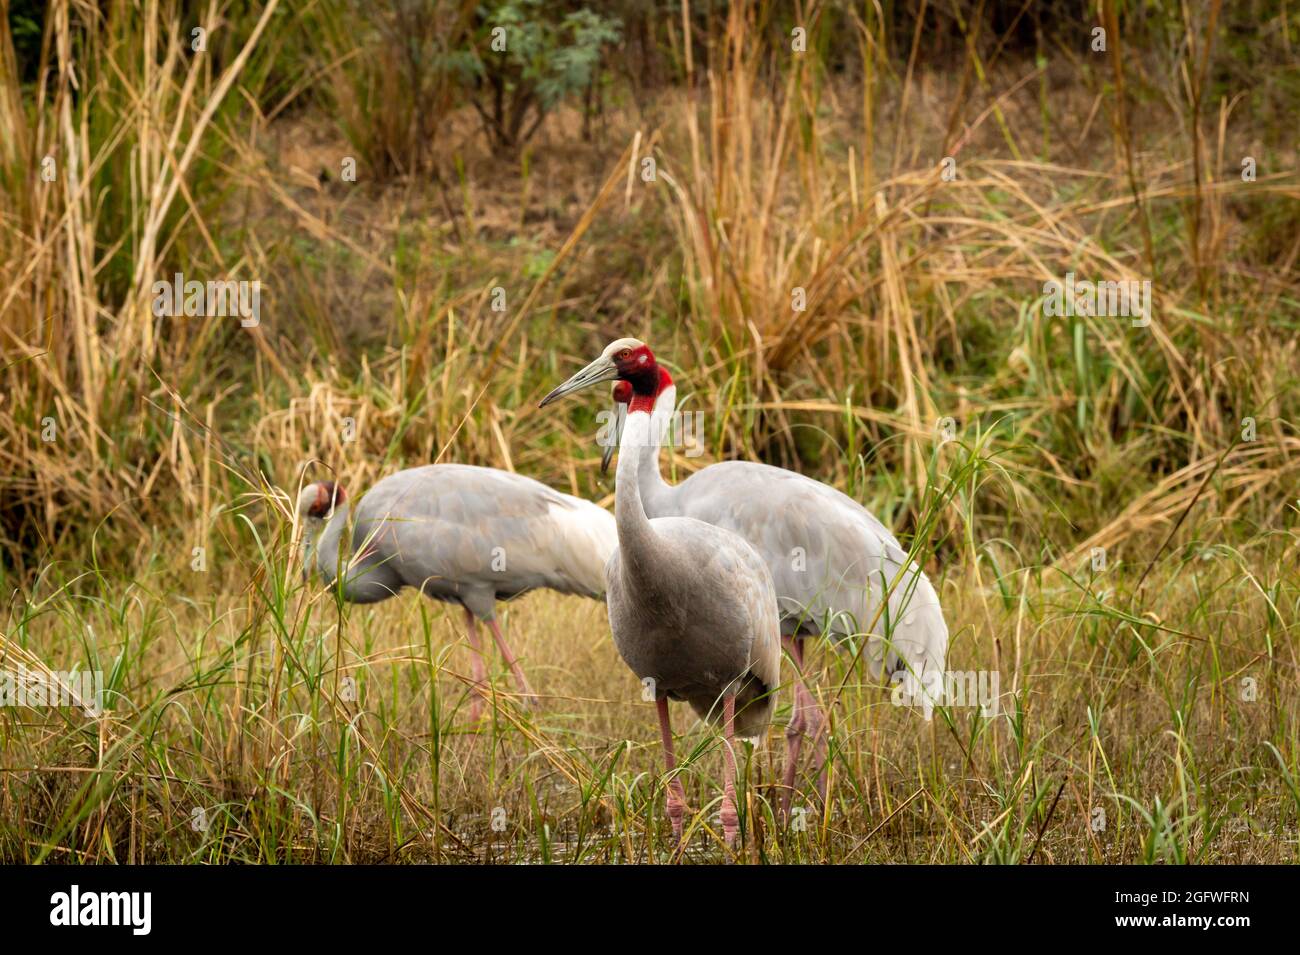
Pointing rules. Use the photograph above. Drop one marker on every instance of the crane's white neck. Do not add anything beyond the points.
(309, 533)
(322, 538)
(635, 538)
(313, 530)
(662, 416)
(649, 479)
(633, 445)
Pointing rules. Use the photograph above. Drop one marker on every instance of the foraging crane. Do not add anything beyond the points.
(692, 609)
(460, 534)
(831, 560)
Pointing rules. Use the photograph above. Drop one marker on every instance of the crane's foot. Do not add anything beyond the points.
(730, 818)
(676, 810)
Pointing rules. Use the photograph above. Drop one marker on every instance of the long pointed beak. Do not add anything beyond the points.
(602, 369)
(620, 413)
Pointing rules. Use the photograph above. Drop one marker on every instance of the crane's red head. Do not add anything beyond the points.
(628, 361)
(638, 369)
(317, 501)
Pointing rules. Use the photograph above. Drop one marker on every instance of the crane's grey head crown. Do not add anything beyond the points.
(627, 359)
(317, 501)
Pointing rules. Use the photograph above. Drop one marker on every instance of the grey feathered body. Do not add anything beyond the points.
(830, 559)
(467, 535)
(706, 625)
(692, 607)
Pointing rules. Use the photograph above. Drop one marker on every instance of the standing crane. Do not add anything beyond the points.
(460, 534)
(694, 615)
(831, 560)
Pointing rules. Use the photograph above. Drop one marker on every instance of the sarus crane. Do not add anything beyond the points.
(830, 559)
(694, 615)
(463, 535)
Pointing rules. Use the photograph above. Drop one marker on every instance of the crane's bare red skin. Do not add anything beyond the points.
(328, 494)
(638, 368)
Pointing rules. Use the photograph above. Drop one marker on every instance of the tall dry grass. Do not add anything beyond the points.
(381, 349)
(103, 197)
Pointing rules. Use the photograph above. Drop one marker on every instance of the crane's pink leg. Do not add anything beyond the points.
(807, 719)
(794, 730)
(676, 792)
(817, 729)
(477, 668)
(730, 819)
(529, 696)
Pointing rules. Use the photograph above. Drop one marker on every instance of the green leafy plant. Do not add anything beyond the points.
(529, 61)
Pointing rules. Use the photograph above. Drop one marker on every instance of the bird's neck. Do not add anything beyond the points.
(310, 534)
(320, 544)
(648, 384)
(636, 540)
(650, 480)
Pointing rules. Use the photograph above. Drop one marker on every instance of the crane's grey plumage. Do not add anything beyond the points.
(692, 608)
(830, 559)
(460, 534)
